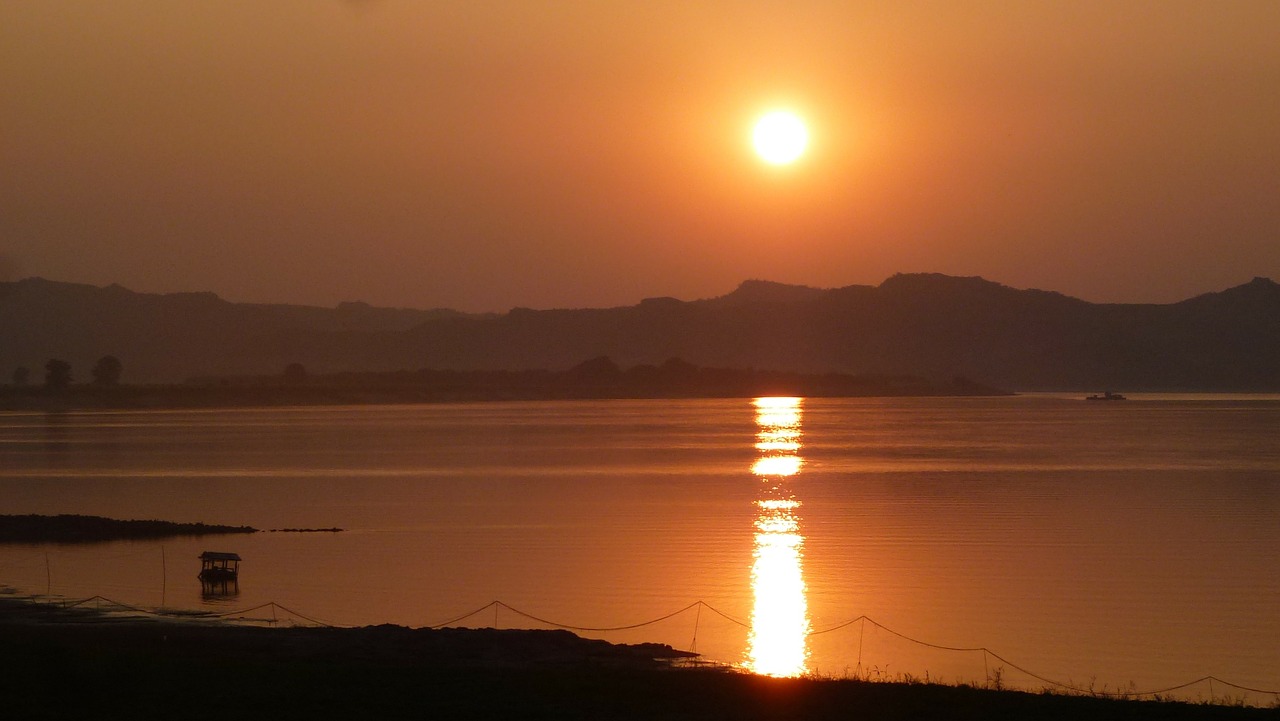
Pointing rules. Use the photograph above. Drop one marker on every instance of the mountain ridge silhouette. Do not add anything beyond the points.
(926, 324)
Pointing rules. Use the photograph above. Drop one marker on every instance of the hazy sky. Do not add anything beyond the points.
(483, 155)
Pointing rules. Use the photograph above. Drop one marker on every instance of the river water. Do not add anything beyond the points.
(1107, 546)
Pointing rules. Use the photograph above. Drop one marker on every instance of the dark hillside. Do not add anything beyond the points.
(934, 326)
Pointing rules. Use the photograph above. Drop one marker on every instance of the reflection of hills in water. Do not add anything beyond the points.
(777, 645)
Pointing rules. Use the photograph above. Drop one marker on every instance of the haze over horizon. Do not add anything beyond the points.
(482, 157)
(638, 300)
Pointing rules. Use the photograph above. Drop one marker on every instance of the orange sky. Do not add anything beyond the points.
(484, 155)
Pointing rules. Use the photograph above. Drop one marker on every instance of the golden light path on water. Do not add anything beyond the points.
(777, 645)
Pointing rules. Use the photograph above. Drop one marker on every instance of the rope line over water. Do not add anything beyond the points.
(557, 624)
(866, 619)
(699, 606)
(608, 628)
(195, 615)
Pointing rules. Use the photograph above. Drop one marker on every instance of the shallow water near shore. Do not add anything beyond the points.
(1102, 545)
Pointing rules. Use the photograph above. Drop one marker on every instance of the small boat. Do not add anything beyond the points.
(1107, 396)
(218, 566)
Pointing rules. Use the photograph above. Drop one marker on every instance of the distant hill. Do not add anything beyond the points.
(166, 338)
(927, 325)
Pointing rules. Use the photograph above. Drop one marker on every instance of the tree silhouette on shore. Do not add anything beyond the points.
(106, 372)
(57, 374)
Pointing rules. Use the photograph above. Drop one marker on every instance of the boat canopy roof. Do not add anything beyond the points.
(219, 556)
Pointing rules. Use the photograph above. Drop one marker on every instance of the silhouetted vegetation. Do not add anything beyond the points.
(106, 372)
(597, 378)
(600, 368)
(89, 529)
(57, 374)
(21, 376)
(601, 377)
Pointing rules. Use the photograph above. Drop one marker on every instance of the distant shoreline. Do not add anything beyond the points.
(597, 379)
(73, 528)
(70, 528)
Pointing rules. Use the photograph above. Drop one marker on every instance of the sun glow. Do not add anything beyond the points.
(780, 137)
(780, 616)
(776, 466)
(778, 444)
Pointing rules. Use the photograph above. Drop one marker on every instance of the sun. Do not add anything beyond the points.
(780, 137)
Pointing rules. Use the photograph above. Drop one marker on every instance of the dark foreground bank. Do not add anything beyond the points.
(60, 665)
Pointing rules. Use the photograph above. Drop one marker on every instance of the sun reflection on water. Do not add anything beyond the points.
(780, 616)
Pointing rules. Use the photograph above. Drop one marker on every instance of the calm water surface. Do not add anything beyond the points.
(1102, 544)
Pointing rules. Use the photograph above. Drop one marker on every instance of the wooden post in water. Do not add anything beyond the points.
(693, 645)
(164, 576)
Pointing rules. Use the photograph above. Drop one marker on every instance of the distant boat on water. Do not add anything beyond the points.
(1106, 396)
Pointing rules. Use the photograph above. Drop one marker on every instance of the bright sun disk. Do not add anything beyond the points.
(780, 137)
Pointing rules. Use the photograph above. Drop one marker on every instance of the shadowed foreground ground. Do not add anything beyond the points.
(62, 665)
